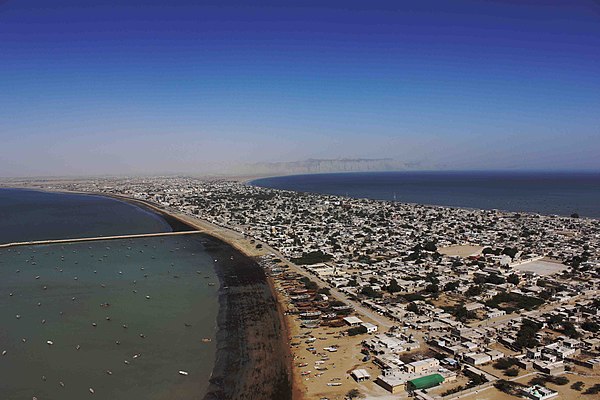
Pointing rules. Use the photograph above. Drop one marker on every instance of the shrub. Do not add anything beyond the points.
(505, 363)
(577, 386)
(593, 390)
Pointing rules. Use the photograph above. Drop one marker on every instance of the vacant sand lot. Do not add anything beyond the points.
(464, 250)
(541, 267)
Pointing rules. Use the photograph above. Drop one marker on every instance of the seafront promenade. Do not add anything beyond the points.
(98, 238)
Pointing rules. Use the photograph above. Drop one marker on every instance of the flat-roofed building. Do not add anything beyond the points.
(360, 375)
(353, 321)
(418, 367)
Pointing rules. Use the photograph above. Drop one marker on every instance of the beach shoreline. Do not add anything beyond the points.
(253, 359)
(252, 334)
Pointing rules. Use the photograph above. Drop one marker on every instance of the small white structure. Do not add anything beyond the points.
(538, 392)
(371, 328)
(353, 321)
(360, 375)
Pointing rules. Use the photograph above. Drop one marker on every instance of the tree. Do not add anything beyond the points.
(526, 335)
(450, 286)
(370, 292)
(460, 313)
(432, 288)
(504, 363)
(474, 290)
(569, 329)
(514, 279)
(357, 330)
(393, 287)
(412, 307)
(590, 326)
(430, 246)
(495, 279)
(593, 390)
(512, 372)
(510, 251)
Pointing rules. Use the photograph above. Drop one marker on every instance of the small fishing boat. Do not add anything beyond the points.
(184, 373)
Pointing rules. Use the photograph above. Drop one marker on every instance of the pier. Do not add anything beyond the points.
(98, 238)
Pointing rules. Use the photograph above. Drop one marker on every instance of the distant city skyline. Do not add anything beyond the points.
(159, 88)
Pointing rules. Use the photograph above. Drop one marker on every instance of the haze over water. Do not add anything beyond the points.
(174, 272)
(540, 192)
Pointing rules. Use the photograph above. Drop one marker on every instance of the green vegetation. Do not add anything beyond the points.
(542, 380)
(370, 292)
(474, 290)
(460, 312)
(505, 363)
(578, 386)
(412, 307)
(590, 326)
(510, 251)
(511, 302)
(357, 330)
(511, 388)
(432, 288)
(324, 291)
(412, 297)
(308, 284)
(514, 371)
(514, 279)
(593, 390)
(526, 335)
(393, 287)
(314, 257)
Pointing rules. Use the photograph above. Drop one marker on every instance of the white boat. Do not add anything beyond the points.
(184, 373)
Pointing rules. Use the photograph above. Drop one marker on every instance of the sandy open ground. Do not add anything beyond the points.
(541, 267)
(461, 250)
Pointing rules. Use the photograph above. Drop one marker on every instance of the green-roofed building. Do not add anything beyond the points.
(424, 382)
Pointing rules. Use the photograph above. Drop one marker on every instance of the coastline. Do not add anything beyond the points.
(251, 337)
(252, 334)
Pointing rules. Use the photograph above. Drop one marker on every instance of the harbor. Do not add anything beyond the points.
(101, 315)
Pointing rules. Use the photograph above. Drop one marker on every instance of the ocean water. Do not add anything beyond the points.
(539, 192)
(59, 292)
(34, 215)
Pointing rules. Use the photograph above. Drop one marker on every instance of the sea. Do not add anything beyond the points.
(547, 193)
(120, 318)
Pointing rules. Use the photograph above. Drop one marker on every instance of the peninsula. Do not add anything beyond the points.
(383, 297)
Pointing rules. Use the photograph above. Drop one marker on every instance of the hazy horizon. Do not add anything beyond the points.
(228, 88)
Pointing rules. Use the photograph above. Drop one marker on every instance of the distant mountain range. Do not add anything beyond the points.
(312, 166)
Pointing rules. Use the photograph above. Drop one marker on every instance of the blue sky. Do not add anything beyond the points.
(96, 87)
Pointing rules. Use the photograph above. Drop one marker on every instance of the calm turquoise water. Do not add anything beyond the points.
(541, 192)
(174, 272)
